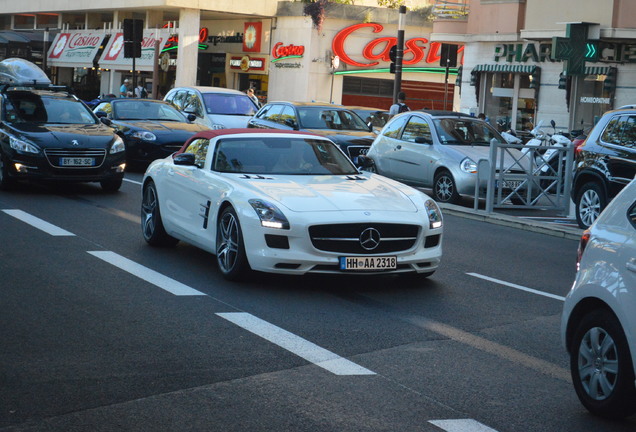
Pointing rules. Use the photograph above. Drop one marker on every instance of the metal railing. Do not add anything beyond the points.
(522, 176)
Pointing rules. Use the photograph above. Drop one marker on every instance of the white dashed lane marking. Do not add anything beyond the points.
(38, 223)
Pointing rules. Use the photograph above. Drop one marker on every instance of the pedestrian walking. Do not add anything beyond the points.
(123, 90)
(251, 95)
(400, 106)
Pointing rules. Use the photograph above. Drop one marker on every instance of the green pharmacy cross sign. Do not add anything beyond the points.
(575, 49)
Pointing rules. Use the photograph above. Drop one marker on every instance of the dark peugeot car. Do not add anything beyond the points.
(604, 164)
(49, 134)
(340, 125)
(151, 129)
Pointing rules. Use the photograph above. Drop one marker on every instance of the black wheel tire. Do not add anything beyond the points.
(230, 248)
(590, 202)
(151, 225)
(111, 185)
(6, 182)
(444, 188)
(601, 366)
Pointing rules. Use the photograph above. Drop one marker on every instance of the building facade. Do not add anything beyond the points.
(532, 60)
(271, 46)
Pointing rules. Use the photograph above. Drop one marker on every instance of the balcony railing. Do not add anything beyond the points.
(451, 9)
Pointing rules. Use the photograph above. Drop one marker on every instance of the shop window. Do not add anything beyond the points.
(24, 21)
(46, 20)
(74, 21)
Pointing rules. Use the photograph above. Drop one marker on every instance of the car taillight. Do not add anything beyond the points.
(585, 238)
(577, 143)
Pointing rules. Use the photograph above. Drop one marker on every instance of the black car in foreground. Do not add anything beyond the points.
(604, 163)
(151, 129)
(340, 125)
(48, 134)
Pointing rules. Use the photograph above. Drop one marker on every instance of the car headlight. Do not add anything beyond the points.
(118, 145)
(218, 126)
(269, 214)
(23, 146)
(468, 165)
(144, 135)
(434, 214)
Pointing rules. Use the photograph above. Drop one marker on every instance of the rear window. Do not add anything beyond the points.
(229, 104)
(28, 107)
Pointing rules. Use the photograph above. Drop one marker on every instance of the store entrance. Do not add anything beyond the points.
(509, 102)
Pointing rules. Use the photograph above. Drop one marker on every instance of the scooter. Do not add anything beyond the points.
(546, 160)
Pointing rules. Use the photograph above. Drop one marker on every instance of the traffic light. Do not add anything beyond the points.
(609, 85)
(474, 78)
(133, 35)
(535, 78)
(392, 56)
(563, 81)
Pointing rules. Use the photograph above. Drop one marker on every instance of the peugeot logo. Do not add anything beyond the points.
(369, 239)
(75, 143)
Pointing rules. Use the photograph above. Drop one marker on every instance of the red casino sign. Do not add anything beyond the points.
(415, 49)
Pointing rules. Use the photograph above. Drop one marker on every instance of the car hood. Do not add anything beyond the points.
(65, 136)
(230, 121)
(341, 136)
(331, 193)
(161, 127)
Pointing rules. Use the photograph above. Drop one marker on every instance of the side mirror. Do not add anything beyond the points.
(187, 159)
(364, 162)
(291, 123)
(189, 111)
(191, 117)
(101, 114)
(553, 124)
(423, 140)
(106, 121)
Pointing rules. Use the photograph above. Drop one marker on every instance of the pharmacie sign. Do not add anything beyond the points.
(520, 53)
(75, 48)
(416, 50)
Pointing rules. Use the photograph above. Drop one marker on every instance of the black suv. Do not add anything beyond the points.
(342, 126)
(604, 164)
(47, 133)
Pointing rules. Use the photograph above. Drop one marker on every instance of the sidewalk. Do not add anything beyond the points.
(532, 220)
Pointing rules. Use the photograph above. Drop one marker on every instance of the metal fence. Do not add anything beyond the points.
(520, 176)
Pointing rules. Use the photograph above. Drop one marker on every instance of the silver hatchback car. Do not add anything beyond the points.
(434, 149)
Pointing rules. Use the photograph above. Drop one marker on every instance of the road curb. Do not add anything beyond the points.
(552, 229)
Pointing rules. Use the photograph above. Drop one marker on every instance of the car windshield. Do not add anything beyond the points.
(143, 109)
(330, 118)
(31, 107)
(229, 104)
(377, 118)
(462, 131)
(287, 155)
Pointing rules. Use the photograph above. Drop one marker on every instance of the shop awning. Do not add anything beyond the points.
(113, 55)
(75, 48)
(524, 69)
(596, 70)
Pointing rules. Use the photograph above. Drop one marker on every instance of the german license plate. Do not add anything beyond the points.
(368, 263)
(77, 161)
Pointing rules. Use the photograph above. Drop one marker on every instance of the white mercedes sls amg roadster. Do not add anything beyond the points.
(287, 202)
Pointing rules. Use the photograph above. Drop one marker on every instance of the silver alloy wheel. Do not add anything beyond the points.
(589, 207)
(444, 188)
(598, 363)
(228, 247)
(149, 210)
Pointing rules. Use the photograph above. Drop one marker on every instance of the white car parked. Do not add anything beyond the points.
(287, 202)
(598, 326)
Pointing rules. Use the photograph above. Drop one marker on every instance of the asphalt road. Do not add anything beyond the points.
(101, 332)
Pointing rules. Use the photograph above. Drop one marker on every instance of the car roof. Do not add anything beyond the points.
(214, 133)
(355, 107)
(309, 104)
(441, 113)
(208, 89)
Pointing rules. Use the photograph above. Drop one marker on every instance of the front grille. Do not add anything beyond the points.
(54, 156)
(355, 151)
(345, 238)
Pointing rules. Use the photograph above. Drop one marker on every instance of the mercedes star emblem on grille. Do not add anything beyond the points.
(370, 239)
